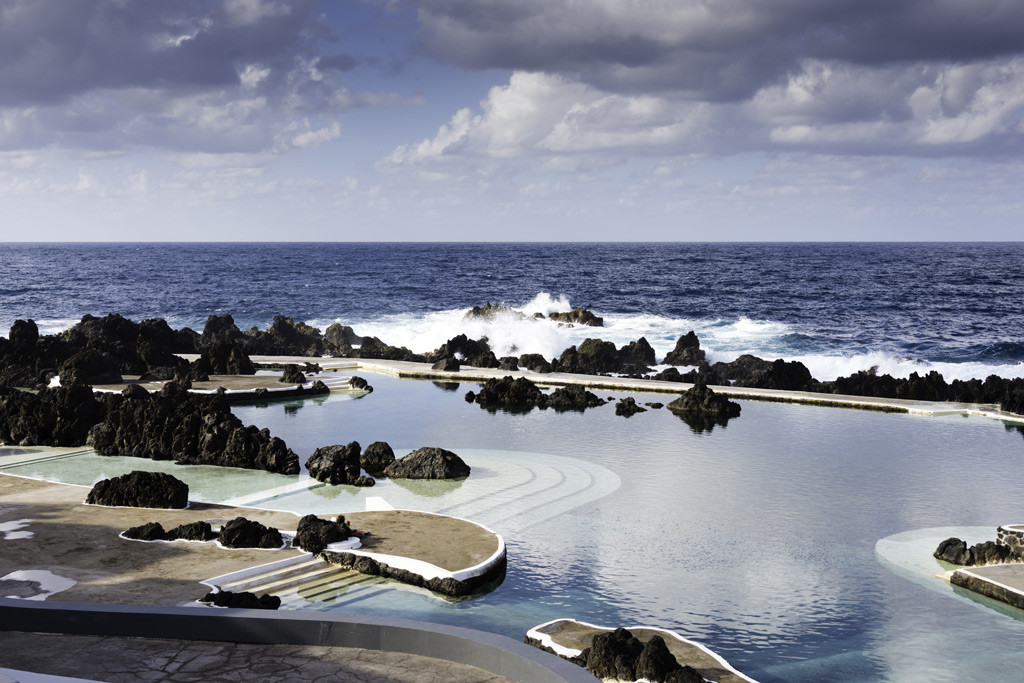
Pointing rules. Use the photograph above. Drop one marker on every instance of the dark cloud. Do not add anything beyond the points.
(52, 50)
(723, 50)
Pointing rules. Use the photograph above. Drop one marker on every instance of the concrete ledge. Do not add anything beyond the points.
(993, 581)
(494, 653)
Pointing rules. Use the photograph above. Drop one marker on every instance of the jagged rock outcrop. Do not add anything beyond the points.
(224, 358)
(314, 534)
(655, 663)
(142, 490)
(476, 353)
(449, 364)
(522, 395)
(196, 430)
(154, 531)
(150, 531)
(702, 401)
(592, 357)
(578, 316)
(613, 655)
(292, 375)
(534, 362)
(357, 382)
(635, 356)
(376, 458)
(90, 367)
(743, 369)
(284, 337)
(246, 533)
(785, 375)
(508, 363)
(627, 407)
(339, 340)
(376, 349)
(572, 397)
(489, 310)
(955, 551)
(242, 600)
(59, 416)
(338, 465)
(687, 351)
(220, 329)
(428, 463)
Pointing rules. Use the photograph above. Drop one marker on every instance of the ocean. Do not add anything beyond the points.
(795, 540)
(838, 308)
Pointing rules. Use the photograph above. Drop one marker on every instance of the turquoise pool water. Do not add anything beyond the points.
(757, 539)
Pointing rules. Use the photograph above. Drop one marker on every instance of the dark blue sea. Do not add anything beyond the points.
(837, 307)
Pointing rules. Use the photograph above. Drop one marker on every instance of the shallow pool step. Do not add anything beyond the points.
(301, 569)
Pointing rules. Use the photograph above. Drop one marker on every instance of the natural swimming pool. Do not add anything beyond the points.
(757, 539)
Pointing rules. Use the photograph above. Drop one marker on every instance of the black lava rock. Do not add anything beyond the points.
(335, 464)
(140, 489)
(245, 533)
(150, 531)
(194, 531)
(428, 463)
(655, 663)
(314, 534)
(628, 407)
(242, 600)
(613, 654)
(376, 458)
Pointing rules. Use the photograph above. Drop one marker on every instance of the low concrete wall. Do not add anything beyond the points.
(488, 651)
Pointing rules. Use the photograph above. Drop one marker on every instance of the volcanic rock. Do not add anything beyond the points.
(314, 534)
(284, 337)
(174, 425)
(628, 407)
(613, 655)
(489, 310)
(534, 362)
(593, 357)
(90, 367)
(572, 397)
(376, 458)
(428, 463)
(59, 416)
(241, 600)
(245, 533)
(194, 531)
(578, 316)
(508, 363)
(140, 489)
(150, 531)
(335, 464)
(655, 662)
(687, 351)
(700, 399)
(449, 364)
(292, 375)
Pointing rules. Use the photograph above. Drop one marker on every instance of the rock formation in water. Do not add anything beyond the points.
(476, 353)
(142, 490)
(376, 458)
(338, 465)
(194, 430)
(955, 551)
(702, 401)
(428, 463)
(627, 407)
(578, 316)
(522, 395)
(687, 351)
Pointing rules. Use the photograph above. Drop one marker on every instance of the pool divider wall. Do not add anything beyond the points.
(491, 652)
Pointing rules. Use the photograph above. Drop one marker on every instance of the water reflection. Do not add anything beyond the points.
(447, 386)
(432, 488)
(701, 424)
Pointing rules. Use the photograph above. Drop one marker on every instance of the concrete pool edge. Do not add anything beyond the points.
(497, 654)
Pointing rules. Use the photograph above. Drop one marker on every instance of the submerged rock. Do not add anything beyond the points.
(428, 463)
(140, 489)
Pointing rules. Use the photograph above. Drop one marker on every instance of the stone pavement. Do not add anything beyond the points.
(124, 660)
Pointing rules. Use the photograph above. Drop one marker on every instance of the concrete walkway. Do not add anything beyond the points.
(117, 660)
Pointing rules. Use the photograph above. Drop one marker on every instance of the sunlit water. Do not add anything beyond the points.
(757, 539)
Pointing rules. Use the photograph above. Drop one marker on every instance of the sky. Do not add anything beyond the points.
(511, 120)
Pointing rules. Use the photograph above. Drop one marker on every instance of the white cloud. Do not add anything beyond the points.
(309, 137)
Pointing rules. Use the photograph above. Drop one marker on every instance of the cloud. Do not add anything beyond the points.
(238, 76)
(713, 51)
